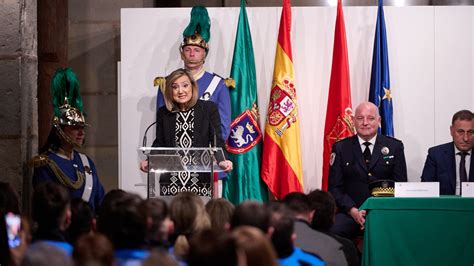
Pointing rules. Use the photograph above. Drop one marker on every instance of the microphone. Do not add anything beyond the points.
(213, 140)
(146, 131)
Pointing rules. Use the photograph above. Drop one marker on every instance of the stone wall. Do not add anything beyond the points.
(18, 85)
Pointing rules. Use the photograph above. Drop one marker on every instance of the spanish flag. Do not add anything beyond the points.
(281, 162)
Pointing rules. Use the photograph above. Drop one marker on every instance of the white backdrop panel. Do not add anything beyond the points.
(150, 42)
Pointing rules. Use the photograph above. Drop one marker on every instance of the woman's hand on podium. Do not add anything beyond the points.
(226, 165)
(144, 166)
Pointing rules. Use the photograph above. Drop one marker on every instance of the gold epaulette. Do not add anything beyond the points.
(38, 161)
(159, 81)
(229, 82)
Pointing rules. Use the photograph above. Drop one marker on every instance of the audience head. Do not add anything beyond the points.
(159, 223)
(44, 254)
(123, 221)
(50, 207)
(324, 206)
(82, 220)
(111, 197)
(159, 257)
(212, 248)
(300, 205)
(251, 213)
(283, 235)
(9, 199)
(189, 216)
(256, 245)
(462, 130)
(220, 212)
(93, 250)
(367, 120)
(181, 91)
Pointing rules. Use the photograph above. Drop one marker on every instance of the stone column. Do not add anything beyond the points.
(18, 106)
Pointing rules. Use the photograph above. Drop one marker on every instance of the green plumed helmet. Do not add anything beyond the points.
(66, 98)
(198, 31)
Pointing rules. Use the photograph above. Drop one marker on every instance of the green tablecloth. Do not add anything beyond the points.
(419, 231)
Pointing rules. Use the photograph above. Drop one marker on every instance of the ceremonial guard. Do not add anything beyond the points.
(194, 50)
(59, 160)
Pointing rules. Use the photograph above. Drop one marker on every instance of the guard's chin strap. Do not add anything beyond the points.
(65, 137)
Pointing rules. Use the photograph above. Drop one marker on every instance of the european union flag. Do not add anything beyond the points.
(380, 93)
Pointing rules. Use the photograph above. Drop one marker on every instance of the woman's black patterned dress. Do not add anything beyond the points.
(172, 183)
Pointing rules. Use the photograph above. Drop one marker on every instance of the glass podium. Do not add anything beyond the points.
(173, 170)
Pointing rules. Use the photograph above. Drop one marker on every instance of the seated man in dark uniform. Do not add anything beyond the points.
(358, 161)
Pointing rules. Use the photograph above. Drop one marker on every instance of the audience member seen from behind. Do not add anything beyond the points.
(256, 245)
(213, 248)
(159, 257)
(185, 122)
(254, 214)
(52, 214)
(159, 223)
(59, 160)
(82, 220)
(308, 239)
(358, 161)
(123, 221)
(44, 254)
(189, 216)
(324, 207)
(283, 238)
(93, 250)
(220, 212)
(110, 198)
(452, 163)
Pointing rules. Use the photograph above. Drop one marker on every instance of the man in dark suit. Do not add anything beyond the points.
(356, 162)
(452, 163)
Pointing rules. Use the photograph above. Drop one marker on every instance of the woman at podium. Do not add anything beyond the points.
(185, 121)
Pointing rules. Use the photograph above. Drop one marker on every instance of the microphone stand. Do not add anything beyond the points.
(211, 153)
(147, 156)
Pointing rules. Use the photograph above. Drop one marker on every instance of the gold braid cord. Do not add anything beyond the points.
(64, 179)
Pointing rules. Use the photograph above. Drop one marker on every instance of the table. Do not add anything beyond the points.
(419, 231)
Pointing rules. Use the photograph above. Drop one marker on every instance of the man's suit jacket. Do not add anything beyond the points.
(326, 247)
(206, 126)
(440, 166)
(349, 176)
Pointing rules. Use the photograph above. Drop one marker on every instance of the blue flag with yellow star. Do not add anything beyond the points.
(380, 93)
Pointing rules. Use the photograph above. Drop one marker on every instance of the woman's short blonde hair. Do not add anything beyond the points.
(168, 95)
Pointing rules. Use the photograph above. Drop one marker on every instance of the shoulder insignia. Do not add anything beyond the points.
(229, 82)
(159, 81)
(215, 74)
(393, 138)
(38, 161)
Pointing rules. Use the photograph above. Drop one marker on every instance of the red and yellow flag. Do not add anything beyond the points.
(281, 162)
(339, 123)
